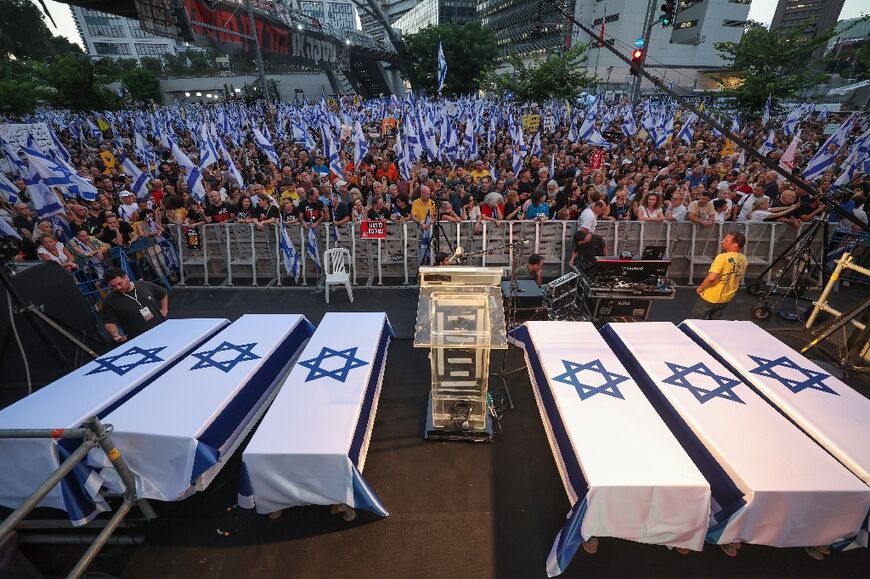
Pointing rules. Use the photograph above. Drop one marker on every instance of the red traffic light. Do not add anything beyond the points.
(637, 53)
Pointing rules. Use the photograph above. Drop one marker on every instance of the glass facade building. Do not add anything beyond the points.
(107, 35)
(524, 27)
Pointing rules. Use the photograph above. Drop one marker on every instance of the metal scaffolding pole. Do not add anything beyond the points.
(261, 71)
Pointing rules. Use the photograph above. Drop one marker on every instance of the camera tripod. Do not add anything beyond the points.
(798, 256)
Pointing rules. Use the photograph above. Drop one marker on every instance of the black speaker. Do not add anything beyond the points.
(54, 290)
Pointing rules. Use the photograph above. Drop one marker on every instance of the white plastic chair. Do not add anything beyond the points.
(336, 262)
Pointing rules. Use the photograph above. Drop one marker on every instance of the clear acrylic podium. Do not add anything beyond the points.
(460, 317)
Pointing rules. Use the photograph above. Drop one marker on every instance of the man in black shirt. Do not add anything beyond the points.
(24, 221)
(378, 212)
(218, 211)
(135, 308)
(587, 246)
(312, 211)
(116, 232)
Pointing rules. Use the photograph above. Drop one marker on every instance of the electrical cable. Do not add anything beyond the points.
(18, 341)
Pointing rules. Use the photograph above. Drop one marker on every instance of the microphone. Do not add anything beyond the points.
(456, 254)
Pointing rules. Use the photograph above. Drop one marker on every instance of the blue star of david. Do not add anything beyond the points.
(584, 391)
(724, 390)
(814, 380)
(316, 371)
(207, 360)
(109, 363)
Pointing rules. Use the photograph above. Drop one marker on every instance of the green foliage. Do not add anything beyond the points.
(469, 49)
(75, 84)
(141, 85)
(772, 63)
(557, 76)
(862, 58)
(24, 35)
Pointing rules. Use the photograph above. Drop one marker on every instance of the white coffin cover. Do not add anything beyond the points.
(177, 434)
(311, 445)
(794, 493)
(832, 413)
(618, 460)
(92, 390)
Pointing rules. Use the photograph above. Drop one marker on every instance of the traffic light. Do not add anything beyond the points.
(636, 60)
(666, 18)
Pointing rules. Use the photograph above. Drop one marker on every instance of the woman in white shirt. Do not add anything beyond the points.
(650, 208)
(50, 249)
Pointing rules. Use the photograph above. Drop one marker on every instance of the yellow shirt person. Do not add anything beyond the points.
(723, 279)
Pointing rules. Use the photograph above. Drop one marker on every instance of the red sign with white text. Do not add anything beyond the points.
(373, 229)
(597, 160)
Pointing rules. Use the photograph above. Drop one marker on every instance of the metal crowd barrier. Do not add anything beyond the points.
(93, 434)
(233, 255)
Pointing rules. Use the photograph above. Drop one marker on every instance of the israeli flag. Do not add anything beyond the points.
(519, 153)
(50, 173)
(765, 118)
(194, 175)
(311, 248)
(207, 150)
(596, 138)
(687, 132)
(288, 251)
(332, 151)
(857, 157)
(629, 123)
(265, 146)
(469, 141)
(536, 145)
(442, 68)
(6, 229)
(827, 153)
(767, 145)
(360, 147)
(140, 179)
(401, 150)
(234, 172)
(95, 130)
(58, 146)
(8, 189)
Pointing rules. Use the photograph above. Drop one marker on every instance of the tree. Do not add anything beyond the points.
(141, 84)
(75, 85)
(862, 60)
(468, 49)
(24, 34)
(557, 76)
(770, 63)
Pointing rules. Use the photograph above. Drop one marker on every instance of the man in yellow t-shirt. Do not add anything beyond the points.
(723, 280)
(480, 171)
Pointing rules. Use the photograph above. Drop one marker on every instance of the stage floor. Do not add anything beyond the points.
(457, 509)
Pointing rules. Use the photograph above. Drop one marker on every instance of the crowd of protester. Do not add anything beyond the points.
(704, 180)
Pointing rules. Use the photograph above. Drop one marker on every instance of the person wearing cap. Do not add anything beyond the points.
(128, 209)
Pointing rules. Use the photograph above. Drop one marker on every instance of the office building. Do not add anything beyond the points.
(683, 55)
(110, 36)
(340, 14)
(848, 32)
(524, 27)
(435, 12)
(813, 16)
(394, 9)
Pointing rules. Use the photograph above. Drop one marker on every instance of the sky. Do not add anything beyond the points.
(759, 10)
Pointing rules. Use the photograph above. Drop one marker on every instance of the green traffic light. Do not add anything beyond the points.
(664, 20)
